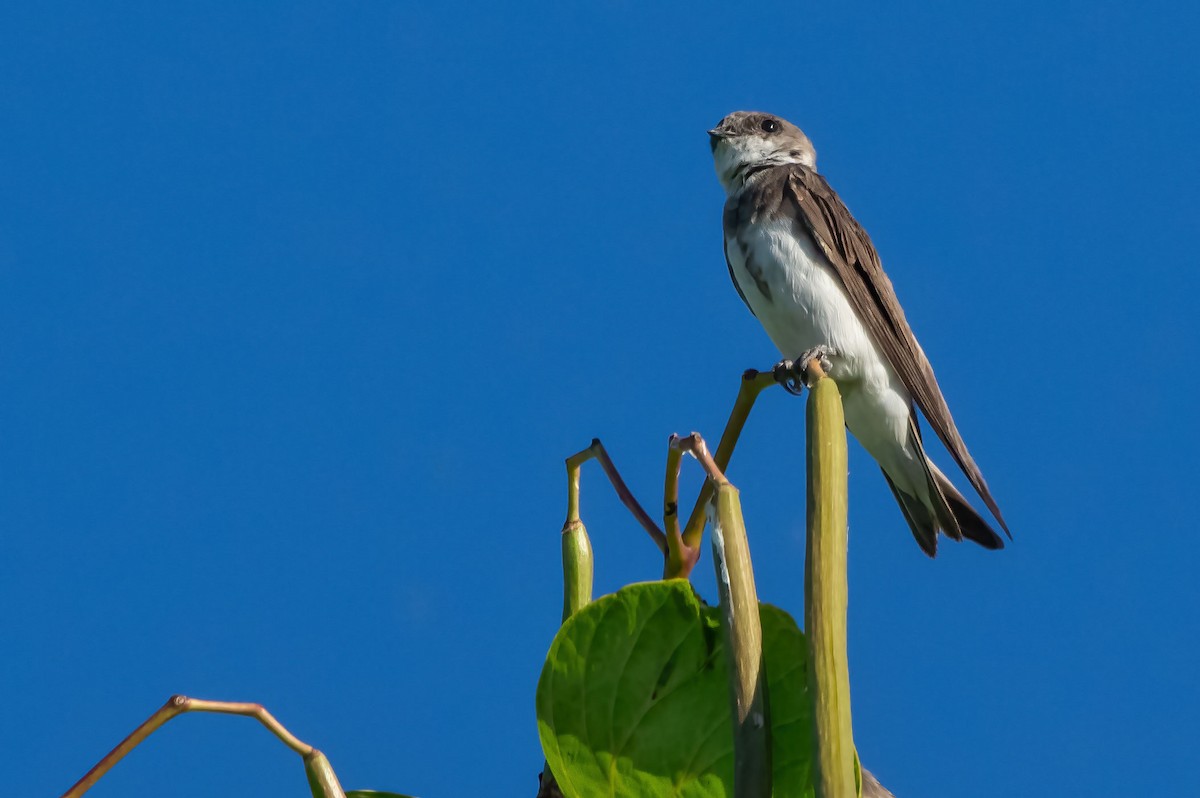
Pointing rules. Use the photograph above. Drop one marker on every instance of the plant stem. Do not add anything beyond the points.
(577, 568)
(753, 383)
(741, 628)
(597, 451)
(826, 592)
(320, 773)
(577, 558)
(680, 559)
(322, 781)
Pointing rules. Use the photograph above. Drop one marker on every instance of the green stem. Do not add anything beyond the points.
(741, 628)
(826, 592)
(576, 547)
(753, 383)
(743, 643)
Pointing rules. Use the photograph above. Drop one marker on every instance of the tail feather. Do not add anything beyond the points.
(946, 519)
(971, 523)
(947, 510)
(924, 527)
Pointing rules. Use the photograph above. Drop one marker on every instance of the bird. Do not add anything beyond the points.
(808, 272)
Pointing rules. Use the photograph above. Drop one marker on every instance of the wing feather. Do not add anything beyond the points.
(853, 257)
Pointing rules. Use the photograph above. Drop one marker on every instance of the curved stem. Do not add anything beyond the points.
(597, 452)
(679, 559)
(177, 705)
(753, 383)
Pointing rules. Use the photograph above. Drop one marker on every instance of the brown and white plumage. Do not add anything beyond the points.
(808, 271)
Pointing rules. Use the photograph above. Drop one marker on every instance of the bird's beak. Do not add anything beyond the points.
(715, 136)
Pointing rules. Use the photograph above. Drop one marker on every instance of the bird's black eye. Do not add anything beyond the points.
(769, 125)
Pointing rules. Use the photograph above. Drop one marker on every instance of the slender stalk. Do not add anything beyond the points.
(753, 383)
(577, 559)
(177, 705)
(681, 558)
(249, 710)
(825, 590)
(671, 492)
(574, 465)
(173, 707)
(597, 451)
(741, 628)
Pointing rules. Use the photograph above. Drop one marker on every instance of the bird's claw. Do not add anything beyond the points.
(794, 375)
(820, 353)
(789, 376)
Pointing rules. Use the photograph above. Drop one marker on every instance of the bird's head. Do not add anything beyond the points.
(746, 140)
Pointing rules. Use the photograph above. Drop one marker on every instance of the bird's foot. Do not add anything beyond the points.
(787, 374)
(820, 353)
(794, 375)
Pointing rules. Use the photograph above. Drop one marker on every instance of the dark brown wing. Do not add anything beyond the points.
(853, 257)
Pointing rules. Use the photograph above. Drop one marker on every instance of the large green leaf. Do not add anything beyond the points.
(633, 699)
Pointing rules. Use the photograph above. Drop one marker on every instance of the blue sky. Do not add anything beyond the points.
(302, 305)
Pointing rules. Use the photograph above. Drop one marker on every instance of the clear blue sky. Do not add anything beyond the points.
(303, 304)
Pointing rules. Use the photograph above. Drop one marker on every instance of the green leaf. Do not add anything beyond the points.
(633, 699)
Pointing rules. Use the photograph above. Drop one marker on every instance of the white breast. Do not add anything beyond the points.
(804, 304)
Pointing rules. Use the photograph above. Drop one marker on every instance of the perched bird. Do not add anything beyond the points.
(808, 272)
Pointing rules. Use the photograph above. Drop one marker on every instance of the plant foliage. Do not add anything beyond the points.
(634, 699)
